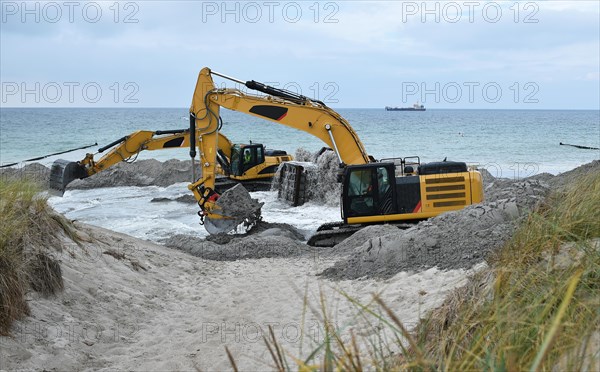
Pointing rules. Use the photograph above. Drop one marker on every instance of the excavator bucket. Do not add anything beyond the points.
(234, 207)
(62, 173)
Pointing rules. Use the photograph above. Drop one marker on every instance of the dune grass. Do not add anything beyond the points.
(28, 238)
(535, 308)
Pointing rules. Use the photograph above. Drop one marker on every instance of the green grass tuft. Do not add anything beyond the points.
(538, 305)
(29, 236)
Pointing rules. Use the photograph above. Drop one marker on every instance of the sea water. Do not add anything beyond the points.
(505, 139)
(129, 210)
(509, 143)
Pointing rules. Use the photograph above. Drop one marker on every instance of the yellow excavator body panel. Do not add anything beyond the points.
(439, 193)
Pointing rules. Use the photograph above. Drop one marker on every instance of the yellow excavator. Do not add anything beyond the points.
(372, 192)
(249, 164)
(396, 190)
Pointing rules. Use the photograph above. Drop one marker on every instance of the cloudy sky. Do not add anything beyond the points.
(460, 54)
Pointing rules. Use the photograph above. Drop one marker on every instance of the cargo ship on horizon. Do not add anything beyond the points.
(415, 107)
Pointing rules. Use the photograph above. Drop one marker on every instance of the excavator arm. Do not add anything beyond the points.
(280, 106)
(124, 149)
(286, 108)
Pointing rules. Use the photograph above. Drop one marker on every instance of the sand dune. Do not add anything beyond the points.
(160, 309)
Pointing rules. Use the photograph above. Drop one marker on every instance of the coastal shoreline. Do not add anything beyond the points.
(132, 304)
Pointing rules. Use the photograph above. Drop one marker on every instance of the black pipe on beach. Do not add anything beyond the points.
(47, 156)
(579, 146)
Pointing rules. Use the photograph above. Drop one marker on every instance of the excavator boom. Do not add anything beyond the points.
(64, 172)
(283, 107)
(126, 148)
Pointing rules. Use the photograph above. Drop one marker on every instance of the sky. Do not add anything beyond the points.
(349, 54)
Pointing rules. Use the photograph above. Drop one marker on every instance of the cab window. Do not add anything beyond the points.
(260, 156)
(361, 198)
(383, 182)
(247, 156)
(360, 183)
(236, 168)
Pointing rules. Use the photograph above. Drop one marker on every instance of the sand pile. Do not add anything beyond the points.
(452, 240)
(266, 240)
(251, 247)
(359, 238)
(148, 172)
(35, 172)
(187, 198)
(238, 248)
(263, 228)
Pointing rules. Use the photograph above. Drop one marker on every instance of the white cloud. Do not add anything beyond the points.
(370, 43)
(583, 6)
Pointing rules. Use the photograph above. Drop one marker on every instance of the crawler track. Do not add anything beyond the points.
(332, 233)
(223, 184)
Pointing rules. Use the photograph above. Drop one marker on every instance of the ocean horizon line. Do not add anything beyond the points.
(335, 108)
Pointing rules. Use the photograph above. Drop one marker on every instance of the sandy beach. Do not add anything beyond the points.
(178, 312)
(130, 304)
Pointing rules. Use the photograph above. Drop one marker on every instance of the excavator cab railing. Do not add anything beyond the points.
(406, 166)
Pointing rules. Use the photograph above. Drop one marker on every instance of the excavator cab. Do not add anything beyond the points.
(249, 164)
(368, 190)
(245, 157)
(374, 193)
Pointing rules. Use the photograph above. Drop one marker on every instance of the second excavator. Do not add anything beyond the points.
(396, 190)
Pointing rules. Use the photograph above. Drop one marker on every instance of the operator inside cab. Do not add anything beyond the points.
(361, 191)
(247, 156)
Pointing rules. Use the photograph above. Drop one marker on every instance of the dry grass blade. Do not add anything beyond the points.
(556, 322)
(356, 351)
(275, 359)
(277, 348)
(415, 348)
(231, 360)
